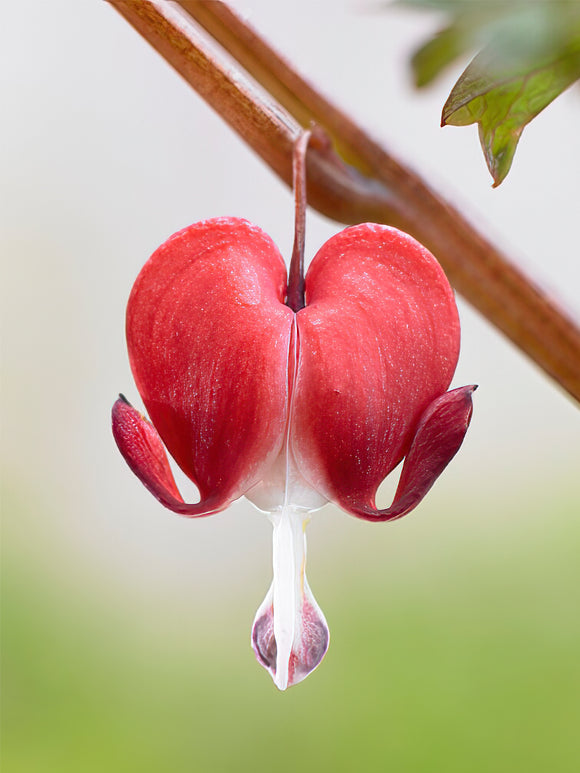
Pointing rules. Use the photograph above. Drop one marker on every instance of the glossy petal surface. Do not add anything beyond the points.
(378, 342)
(208, 337)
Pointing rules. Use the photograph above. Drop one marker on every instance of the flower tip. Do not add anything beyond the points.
(281, 681)
(289, 665)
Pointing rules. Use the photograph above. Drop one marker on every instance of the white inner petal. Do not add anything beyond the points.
(290, 634)
(289, 559)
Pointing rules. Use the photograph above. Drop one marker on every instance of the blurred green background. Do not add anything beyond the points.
(464, 656)
(455, 633)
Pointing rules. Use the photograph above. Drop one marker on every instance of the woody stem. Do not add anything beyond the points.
(365, 182)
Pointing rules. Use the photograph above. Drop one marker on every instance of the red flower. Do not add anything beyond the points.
(292, 409)
(292, 396)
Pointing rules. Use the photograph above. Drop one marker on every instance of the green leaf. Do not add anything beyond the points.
(503, 100)
(470, 28)
(529, 54)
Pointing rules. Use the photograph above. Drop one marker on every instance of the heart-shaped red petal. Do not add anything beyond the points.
(378, 342)
(208, 336)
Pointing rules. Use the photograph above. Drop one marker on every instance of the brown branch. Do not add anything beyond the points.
(373, 186)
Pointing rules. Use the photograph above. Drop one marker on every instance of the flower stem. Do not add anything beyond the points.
(295, 297)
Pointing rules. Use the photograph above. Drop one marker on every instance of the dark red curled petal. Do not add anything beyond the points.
(140, 444)
(208, 337)
(438, 438)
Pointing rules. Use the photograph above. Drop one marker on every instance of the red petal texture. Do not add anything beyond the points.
(378, 342)
(208, 338)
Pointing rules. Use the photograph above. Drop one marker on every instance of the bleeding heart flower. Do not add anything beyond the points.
(292, 407)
